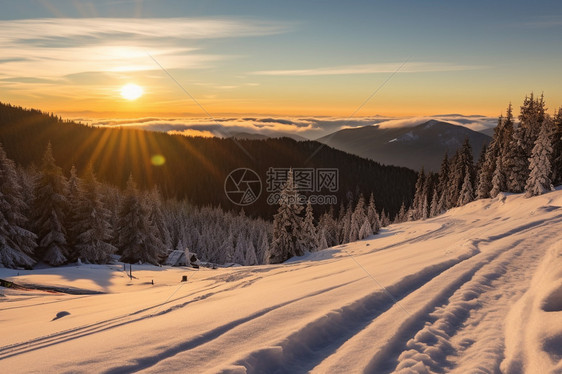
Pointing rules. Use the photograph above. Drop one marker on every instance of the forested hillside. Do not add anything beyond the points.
(194, 168)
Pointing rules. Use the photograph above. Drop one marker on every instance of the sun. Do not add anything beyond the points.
(131, 91)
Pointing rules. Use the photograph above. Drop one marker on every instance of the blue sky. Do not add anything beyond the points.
(290, 57)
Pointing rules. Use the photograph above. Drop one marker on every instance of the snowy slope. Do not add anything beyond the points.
(478, 289)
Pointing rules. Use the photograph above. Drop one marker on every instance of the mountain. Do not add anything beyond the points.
(276, 135)
(412, 147)
(194, 168)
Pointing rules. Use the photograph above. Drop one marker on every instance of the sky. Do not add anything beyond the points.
(287, 59)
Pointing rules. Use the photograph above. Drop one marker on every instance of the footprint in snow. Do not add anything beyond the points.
(60, 315)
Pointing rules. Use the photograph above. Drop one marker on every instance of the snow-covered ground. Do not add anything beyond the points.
(478, 289)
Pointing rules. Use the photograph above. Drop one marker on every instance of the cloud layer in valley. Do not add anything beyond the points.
(305, 127)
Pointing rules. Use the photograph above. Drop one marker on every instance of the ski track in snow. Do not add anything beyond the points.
(473, 304)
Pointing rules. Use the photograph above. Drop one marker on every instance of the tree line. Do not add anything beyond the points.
(521, 157)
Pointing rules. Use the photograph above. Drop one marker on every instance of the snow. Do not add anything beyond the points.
(478, 289)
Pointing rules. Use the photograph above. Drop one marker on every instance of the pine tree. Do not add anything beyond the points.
(157, 218)
(92, 220)
(16, 243)
(137, 234)
(539, 180)
(417, 205)
(251, 257)
(385, 220)
(50, 206)
(287, 225)
(309, 233)
(467, 192)
(365, 230)
(357, 219)
(434, 208)
(463, 164)
(239, 256)
(516, 163)
(498, 179)
(322, 241)
(373, 216)
(74, 198)
(401, 215)
(443, 184)
(557, 148)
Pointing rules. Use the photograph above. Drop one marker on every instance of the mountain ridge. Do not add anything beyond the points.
(423, 145)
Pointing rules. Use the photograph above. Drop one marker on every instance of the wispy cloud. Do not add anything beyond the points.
(411, 67)
(57, 47)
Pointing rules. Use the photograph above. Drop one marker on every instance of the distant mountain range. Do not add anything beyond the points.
(256, 136)
(414, 147)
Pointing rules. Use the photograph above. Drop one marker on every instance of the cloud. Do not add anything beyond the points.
(309, 127)
(475, 123)
(62, 46)
(411, 67)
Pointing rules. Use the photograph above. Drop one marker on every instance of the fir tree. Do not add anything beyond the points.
(417, 205)
(287, 225)
(373, 216)
(16, 243)
(137, 234)
(401, 215)
(357, 219)
(539, 180)
(434, 208)
(322, 241)
(74, 197)
(498, 179)
(50, 206)
(365, 230)
(92, 220)
(309, 233)
(557, 148)
(467, 192)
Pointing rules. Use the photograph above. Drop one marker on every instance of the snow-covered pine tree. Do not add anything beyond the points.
(50, 206)
(417, 205)
(434, 208)
(539, 180)
(251, 257)
(239, 256)
(365, 230)
(93, 237)
(74, 197)
(557, 148)
(322, 242)
(137, 234)
(531, 118)
(309, 232)
(345, 224)
(385, 220)
(357, 219)
(157, 217)
(263, 252)
(443, 183)
(498, 179)
(287, 225)
(463, 163)
(16, 243)
(401, 215)
(516, 163)
(467, 192)
(373, 216)
(330, 227)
